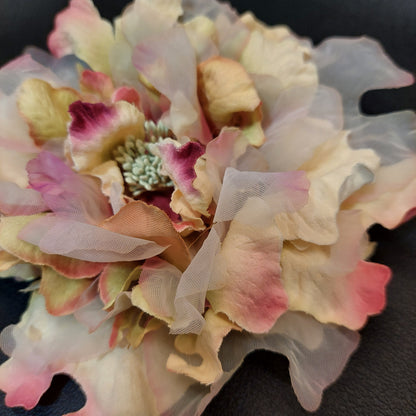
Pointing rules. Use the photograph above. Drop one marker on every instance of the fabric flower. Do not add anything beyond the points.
(193, 186)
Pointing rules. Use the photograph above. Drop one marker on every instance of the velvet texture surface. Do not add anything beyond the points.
(380, 378)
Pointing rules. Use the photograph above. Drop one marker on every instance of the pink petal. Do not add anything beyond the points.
(43, 346)
(127, 94)
(97, 129)
(66, 192)
(248, 288)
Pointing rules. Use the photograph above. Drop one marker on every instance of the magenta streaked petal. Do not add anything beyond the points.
(87, 118)
(179, 163)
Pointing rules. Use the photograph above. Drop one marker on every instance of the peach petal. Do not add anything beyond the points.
(96, 83)
(140, 220)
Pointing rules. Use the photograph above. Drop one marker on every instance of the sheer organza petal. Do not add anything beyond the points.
(86, 242)
(157, 60)
(317, 353)
(389, 135)
(10, 229)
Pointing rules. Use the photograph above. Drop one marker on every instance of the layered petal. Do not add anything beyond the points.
(335, 172)
(332, 283)
(206, 345)
(79, 30)
(10, 229)
(42, 345)
(157, 59)
(17, 201)
(141, 221)
(92, 244)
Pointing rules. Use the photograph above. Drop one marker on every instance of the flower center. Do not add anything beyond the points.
(140, 167)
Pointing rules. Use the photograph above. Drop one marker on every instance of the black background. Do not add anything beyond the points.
(380, 378)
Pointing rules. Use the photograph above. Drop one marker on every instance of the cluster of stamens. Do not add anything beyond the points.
(141, 168)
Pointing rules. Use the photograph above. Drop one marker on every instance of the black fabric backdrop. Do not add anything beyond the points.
(380, 378)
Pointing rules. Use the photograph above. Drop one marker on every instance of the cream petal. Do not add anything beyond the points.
(146, 18)
(206, 345)
(335, 171)
(79, 30)
(391, 198)
(125, 392)
(284, 58)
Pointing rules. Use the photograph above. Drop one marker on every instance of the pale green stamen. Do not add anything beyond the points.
(141, 168)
